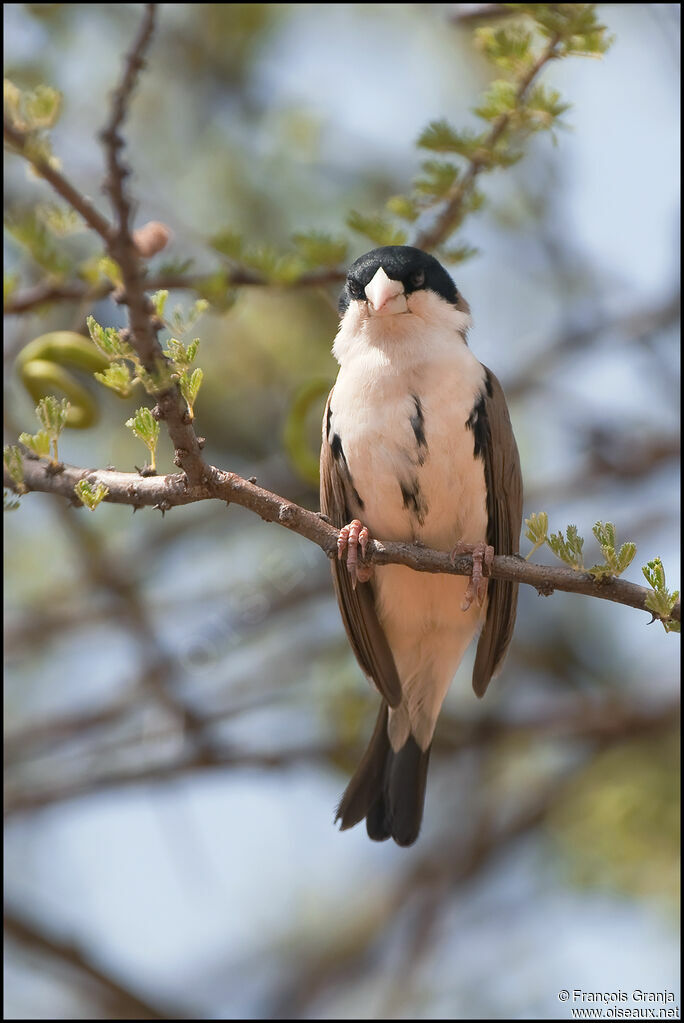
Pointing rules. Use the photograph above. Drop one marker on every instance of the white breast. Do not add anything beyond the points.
(384, 399)
(385, 368)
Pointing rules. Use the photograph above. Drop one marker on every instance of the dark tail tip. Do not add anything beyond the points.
(405, 793)
(387, 788)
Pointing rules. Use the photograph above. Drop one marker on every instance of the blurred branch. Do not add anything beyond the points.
(106, 574)
(19, 141)
(634, 326)
(237, 276)
(120, 1001)
(467, 13)
(442, 870)
(451, 214)
(607, 722)
(22, 802)
(165, 492)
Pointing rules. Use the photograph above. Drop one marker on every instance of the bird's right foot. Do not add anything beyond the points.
(352, 537)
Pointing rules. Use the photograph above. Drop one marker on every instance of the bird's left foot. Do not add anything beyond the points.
(352, 537)
(482, 555)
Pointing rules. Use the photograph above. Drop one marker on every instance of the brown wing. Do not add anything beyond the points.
(357, 606)
(504, 512)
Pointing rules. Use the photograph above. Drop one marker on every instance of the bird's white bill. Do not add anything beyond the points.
(385, 297)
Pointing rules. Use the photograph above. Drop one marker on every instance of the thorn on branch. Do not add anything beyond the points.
(252, 479)
(201, 441)
(157, 413)
(286, 513)
(147, 470)
(545, 589)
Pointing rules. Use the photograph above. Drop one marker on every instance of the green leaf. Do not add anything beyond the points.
(276, 267)
(29, 231)
(439, 177)
(108, 340)
(14, 464)
(615, 561)
(660, 601)
(146, 428)
(376, 228)
(228, 243)
(536, 531)
(39, 443)
(117, 377)
(190, 385)
(509, 47)
(42, 106)
(319, 249)
(216, 289)
(110, 270)
(90, 495)
(158, 300)
(568, 548)
(626, 556)
(404, 207)
(182, 322)
(442, 138)
(500, 98)
(182, 357)
(60, 220)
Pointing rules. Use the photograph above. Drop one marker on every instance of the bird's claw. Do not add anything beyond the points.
(351, 537)
(483, 556)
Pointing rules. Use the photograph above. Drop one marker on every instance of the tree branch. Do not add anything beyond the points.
(165, 492)
(431, 237)
(19, 141)
(49, 290)
(124, 1003)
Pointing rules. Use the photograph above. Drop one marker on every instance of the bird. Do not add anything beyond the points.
(417, 447)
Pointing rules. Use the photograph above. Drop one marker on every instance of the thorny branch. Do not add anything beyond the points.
(165, 492)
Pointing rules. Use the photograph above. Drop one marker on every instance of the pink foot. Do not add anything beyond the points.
(352, 537)
(482, 556)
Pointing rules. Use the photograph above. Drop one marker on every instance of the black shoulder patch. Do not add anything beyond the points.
(336, 447)
(488, 384)
(478, 422)
(413, 499)
(327, 422)
(418, 422)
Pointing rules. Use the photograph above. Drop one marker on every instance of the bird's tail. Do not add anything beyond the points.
(387, 788)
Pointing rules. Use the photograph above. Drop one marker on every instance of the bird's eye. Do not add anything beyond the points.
(355, 288)
(417, 279)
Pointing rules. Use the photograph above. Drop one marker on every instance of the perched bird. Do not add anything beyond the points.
(417, 447)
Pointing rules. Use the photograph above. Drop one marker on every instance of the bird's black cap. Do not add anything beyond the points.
(414, 268)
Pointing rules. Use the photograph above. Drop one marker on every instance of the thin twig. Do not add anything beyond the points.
(431, 237)
(19, 141)
(144, 324)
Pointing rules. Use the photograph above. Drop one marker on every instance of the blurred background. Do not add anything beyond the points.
(182, 709)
